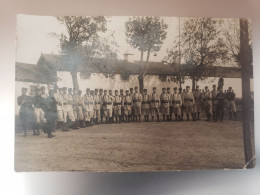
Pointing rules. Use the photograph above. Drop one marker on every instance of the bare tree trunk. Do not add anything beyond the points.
(141, 82)
(74, 76)
(193, 83)
(246, 94)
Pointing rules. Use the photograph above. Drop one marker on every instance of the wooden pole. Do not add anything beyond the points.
(246, 94)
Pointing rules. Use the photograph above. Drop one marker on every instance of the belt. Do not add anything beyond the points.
(186, 100)
(116, 104)
(86, 103)
(98, 102)
(155, 101)
(126, 103)
(164, 101)
(137, 100)
(107, 103)
(65, 103)
(145, 102)
(176, 102)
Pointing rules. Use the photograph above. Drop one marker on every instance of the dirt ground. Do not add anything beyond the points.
(134, 147)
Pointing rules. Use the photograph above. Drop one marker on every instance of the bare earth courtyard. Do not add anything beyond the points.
(134, 147)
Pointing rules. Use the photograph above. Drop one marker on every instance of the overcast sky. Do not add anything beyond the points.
(33, 37)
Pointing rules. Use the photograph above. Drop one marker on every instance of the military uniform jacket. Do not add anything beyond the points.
(155, 100)
(165, 100)
(221, 99)
(208, 96)
(59, 100)
(176, 100)
(26, 104)
(107, 102)
(230, 96)
(127, 102)
(38, 102)
(77, 101)
(88, 102)
(97, 102)
(137, 100)
(214, 95)
(67, 99)
(197, 97)
(117, 102)
(188, 99)
(146, 101)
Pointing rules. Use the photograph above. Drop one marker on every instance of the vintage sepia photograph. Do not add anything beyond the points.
(133, 93)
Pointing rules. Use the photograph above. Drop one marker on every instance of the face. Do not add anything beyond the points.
(24, 91)
(116, 92)
(187, 89)
(65, 91)
(51, 92)
(131, 90)
(75, 92)
(121, 92)
(96, 92)
(154, 90)
(105, 92)
(164, 90)
(43, 90)
(110, 92)
(221, 90)
(175, 91)
(87, 91)
(145, 92)
(70, 91)
(136, 90)
(168, 91)
(127, 92)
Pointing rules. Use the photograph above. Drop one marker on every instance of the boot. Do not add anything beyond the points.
(106, 120)
(230, 115)
(147, 118)
(139, 118)
(163, 117)
(198, 116)
(152, 118)
(50, 135)
(176, 117)
(235, 115)
(188, 117)
(195, 116)
(128, 118)
(120, 118)
(158, 120)
(75, 125)
(116, 119)
(168, 118)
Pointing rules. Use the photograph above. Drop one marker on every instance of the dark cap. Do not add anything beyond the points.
(145, 89)
(105, 90)
(131, 88)
(96, 89)
(187, 87)
(88, 89)
(64, 88)
(136, 87)
(70, 89)
(121, 90)
(214, 85)
(42, 87)
(163, 88)
(168, 88)
(154, 87)
(100, 89)
(230, 88)
(175, 88)
(197, 86)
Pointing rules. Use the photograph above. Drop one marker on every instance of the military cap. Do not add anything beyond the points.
(42, 87)
(24, 88)
(96, 89)
(64, 88)
(136, 87)
(168, 88)
(121, 90)
(230, 88)
(131, 88)
(214, 85)
(163, 88)
(145, 89)
(100, 89)
(187, 87)
(70, 89)
(175, 88)
(105, 90)
(206, 87)
(154, 87)
(197, 86)
(127, 90)
(88, 89)
(116, 90)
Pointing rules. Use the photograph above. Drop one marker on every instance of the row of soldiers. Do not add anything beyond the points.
(72, 110)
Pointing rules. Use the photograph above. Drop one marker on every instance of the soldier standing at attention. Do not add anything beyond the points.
(110, 93)
(71, 101)
(127, 103)
(214, 102)
(197, 105)
(117, 106)
(132, 112)
(43, 92)
(59, 104)
(146, 105)
(169, 93)
(67, 108)
(107, 106)
(97, 101)
(80, 109)
(137, 104)
(182, 106)
(122, 107)
(26, 110)
(208, 103)
(221, 104)
(77, 108)
(50, 114)
(165, 104)
(176, 103)
(188, 101)
(101, 105)
(231, 106)
(88, 107)
(155, 104)
(39, 104)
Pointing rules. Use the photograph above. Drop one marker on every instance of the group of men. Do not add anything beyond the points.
(67, 108)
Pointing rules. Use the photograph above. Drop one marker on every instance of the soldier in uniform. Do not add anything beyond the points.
(43, 92)
(88, 108)
(155, 104)
(107, 106)
(117, 104)
(39, 104)
(132, 112)
(59, 105)
(110, 93)
(78, 108)
(214, 102)
(197, 105)
(188, 101)
(165, 104)
(26, 110)
(208, 103)
(101, 105)
(182, 106)
(176, 103)
(122, 107)
(137, 104)
(169, 93)
(220, 105)
(50, 114)
(231, 106)
(67, 109)
(97, 101)
(127, 103)
(146, 105)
